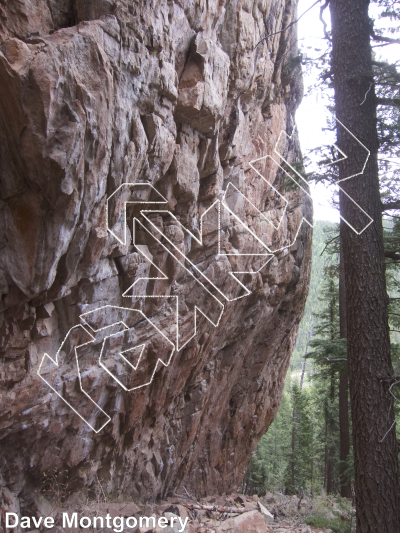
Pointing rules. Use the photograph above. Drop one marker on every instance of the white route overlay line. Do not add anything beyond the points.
(56, 362)
(143, 345)
(132, 202)
(215, 324)
(200, 241)
(181, 261)
(271, 252)
(85, 330)
(163, 276)
(344, 156)
(397, 419)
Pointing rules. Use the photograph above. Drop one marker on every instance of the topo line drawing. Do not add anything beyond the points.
(133, 352)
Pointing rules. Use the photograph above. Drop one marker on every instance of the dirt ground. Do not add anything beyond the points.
(235, 513)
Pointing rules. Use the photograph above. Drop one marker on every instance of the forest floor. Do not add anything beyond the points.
(280, 514)
(236, 513)
(293, 514)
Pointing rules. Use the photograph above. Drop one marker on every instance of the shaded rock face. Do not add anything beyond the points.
(175, 99)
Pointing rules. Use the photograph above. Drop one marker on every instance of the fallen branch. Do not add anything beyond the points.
(217, 508)
(278, 526)
(190, 496)
(265, 511)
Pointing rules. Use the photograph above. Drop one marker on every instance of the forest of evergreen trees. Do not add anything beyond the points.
(336, 427)
(300, 453)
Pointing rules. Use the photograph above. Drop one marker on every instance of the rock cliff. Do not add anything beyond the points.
(154, 262)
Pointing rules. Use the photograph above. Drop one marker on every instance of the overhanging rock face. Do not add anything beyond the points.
(153, 272)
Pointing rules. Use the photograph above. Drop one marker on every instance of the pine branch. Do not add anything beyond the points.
(328, 243)
(391, 205)
(381, 64)
(321, 18)
(394, 102)
(380, 38)
(288, 26)
(392, 255)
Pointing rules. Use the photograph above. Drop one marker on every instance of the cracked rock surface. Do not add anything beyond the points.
(177, 98)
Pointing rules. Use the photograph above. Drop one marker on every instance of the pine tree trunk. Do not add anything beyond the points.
(312, 458)
(275, 457)
(293, 443)
(329, 431)
(370, 369)
(344, 429)
(326, 454)
(329, 471)
(309, 335)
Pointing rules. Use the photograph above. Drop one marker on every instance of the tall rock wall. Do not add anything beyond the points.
(129, 200)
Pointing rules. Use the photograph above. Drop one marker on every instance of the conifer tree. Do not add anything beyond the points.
(370, 369)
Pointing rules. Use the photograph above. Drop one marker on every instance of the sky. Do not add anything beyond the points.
(312, 113)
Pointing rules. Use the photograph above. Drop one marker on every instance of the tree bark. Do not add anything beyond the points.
(329, 471)
(344, 429)
(303, 366)
(312, 458)
(370, 369)
(326, 454)
(293, 444)
(329, 433)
